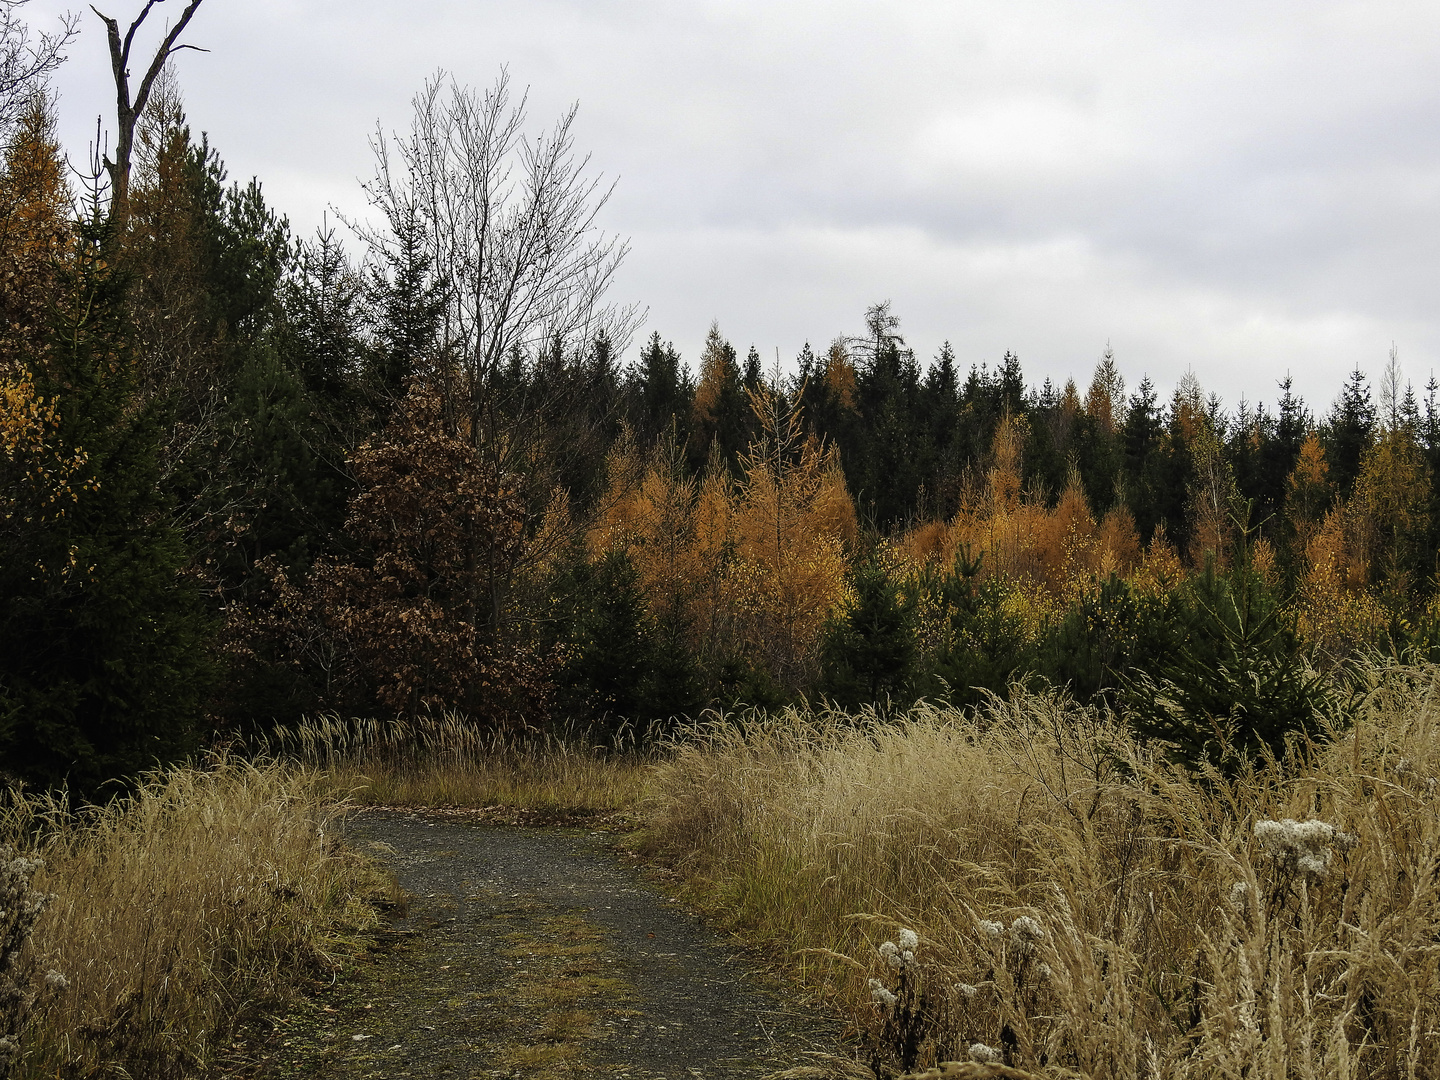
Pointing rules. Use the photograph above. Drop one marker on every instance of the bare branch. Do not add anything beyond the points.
(26, 63)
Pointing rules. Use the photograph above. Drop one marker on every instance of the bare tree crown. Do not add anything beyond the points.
(26, 61)
(511, 226)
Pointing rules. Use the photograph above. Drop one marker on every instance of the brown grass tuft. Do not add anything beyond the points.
(446, 761)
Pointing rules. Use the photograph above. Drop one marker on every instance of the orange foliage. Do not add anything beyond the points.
(793, 518)
(1059, 550)
(1307, 489)
(34, 234)
(1337, 614)
(753, 567)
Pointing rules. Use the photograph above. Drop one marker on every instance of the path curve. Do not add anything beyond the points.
(541, 952)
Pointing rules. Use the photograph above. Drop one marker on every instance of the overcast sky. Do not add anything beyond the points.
(1244, 189)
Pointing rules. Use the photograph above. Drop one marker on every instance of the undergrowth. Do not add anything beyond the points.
(446, 761)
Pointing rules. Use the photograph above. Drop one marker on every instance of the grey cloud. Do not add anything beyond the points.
(1238, 187)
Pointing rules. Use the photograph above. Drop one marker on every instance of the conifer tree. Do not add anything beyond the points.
(101, 634)
(35, 232)
(868, 651)
(720, 415)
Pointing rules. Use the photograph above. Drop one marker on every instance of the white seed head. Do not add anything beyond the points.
(890, 953)
(983, 1054)
(965, 990)
(1303, 846)
(56, 981)
(991, 929)
(1238, 892)
(882, 995)
(908, 939)
(1025, 928)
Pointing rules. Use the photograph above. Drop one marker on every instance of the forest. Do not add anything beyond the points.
(248, 477)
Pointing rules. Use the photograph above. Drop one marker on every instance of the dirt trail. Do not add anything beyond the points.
(539, 953)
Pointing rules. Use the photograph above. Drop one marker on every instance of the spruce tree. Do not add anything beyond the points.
(102, 667)
(868, 651)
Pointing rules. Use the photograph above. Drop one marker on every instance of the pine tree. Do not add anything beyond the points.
(1349, 432)
(1237, 685)
(406, 301)
(662, 386)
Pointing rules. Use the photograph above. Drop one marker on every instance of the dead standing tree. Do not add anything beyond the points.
(127, 111)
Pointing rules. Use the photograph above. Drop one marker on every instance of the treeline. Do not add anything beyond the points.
(247, 478)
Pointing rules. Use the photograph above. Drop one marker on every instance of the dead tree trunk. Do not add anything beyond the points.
(127, 112)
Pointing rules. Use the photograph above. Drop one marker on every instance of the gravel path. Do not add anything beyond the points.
(541, 952)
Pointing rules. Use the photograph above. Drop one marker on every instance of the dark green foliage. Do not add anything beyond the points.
(102, 666)
(1147, 483)
(723, 421)
(1237, 685)
(323, 321)
(663, 393)
(405, 304)
(986, 646)
(616, 672)
(869, 651)
(1348, 432)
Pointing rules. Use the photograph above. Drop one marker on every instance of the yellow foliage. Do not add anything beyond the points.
(34, 233)
(717, 371)
(1160, 570)
(36, 476)
(1106, 396)
(1337, 614)
(1389, 514)
(840, 376)
(1060, 550)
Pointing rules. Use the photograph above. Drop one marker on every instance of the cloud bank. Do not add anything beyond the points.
(1240, 189)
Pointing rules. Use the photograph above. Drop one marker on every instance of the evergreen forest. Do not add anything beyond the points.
(248, 477)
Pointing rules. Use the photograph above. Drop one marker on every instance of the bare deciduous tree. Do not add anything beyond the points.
(513, 244)
(511, 226)
(127, 111)
(26, 61)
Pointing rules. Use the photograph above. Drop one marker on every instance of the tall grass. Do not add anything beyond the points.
(443, 760)
(1083, 908)
(180, 909)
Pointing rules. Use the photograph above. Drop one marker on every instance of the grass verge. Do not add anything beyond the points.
(1077, 906)
(181, 910)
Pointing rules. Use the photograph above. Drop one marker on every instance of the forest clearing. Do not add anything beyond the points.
(1058, 730)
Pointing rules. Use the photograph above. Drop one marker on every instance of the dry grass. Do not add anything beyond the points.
(179, 910)
(1167, 939)
(445, 761)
